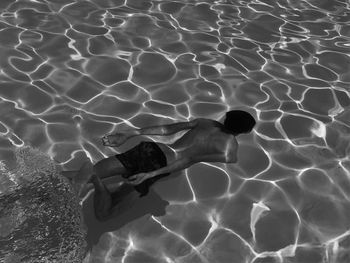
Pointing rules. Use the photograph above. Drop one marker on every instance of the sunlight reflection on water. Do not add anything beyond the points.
(71, 72)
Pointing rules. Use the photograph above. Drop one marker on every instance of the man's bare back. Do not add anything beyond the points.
(205, 142)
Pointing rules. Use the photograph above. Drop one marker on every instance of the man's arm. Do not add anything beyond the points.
(231, 151)
(178, 165)
(118, 138)
(162, 129)
(182, 164)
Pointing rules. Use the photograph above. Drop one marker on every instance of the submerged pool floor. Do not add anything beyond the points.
(73, 71)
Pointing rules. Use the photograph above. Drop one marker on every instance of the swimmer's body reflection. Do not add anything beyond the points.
(205, 141)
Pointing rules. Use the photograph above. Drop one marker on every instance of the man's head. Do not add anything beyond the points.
(237, 122)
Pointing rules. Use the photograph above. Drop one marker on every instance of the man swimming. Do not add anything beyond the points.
(205, 141)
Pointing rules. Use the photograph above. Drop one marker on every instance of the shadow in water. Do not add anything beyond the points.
(152, 204)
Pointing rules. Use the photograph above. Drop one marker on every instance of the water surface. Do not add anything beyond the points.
(72, 71)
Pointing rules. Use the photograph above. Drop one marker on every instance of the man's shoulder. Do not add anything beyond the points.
(204, 121)
(232, 149)
(234, 140)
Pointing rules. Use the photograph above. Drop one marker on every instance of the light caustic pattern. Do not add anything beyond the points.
(72, 71)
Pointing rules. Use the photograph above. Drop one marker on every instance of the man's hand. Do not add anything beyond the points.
(138, 178)
(114, 140)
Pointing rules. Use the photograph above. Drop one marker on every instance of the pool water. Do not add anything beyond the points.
(73, 71)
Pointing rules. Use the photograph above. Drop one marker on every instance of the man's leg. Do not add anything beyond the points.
(109, 167)
(114, 201)
(81, 177)
(102, 199)
(104, 168)
(69, 174)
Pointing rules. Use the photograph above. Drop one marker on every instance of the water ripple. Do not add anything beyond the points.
(71, 72)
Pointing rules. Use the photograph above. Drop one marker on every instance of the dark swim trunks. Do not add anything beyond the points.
(144, 157)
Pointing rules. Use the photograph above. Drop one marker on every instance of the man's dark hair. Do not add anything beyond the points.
(238, 121)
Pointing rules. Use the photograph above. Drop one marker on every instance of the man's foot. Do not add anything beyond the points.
(114, 140)
(85, 172)
(86, 190)
(80, 180)
(96, 181)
